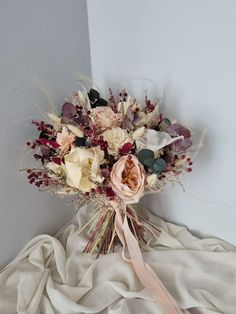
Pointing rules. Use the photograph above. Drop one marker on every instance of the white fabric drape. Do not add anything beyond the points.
(51, 275)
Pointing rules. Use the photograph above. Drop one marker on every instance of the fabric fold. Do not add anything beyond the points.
(51, 275)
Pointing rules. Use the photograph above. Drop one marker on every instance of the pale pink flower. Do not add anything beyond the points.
(65, 140)
(105, 117)
(127, 179)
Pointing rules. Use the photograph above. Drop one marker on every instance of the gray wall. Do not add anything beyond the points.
(42, 44)
(189, 47)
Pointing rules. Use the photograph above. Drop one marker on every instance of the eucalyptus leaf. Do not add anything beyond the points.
(80, 141)
(145, 154)
(159, 165)
(167, 121)
(149, 162)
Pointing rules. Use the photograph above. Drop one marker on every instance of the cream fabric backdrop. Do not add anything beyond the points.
(51, 275)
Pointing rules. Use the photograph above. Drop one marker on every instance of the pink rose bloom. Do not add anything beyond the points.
(127, 179)
(105, 117)
(65, 140)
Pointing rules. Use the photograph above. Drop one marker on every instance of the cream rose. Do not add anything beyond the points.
(105, 117)
(127, 179)
(116, 138)
(82, 168)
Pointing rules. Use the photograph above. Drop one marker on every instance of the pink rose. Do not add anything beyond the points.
(127, 179)
(105, 117)
(65, 140)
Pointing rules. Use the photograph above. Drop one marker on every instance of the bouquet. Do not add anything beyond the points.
(111, 152)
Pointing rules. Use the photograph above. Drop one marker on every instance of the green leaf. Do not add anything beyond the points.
(80, 141)
(167, 121)
(145, 154)
(149, 162)
(159, 165)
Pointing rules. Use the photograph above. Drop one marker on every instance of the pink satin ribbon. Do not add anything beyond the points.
(144, 272)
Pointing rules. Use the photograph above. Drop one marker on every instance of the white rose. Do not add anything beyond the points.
(155, 140)
(82, 168)
(151, 179)
(116, 138)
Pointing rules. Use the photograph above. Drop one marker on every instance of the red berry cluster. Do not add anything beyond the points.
(38, 178)
(107, 191)
(31, 144)
(189, 160)
(88, 132)
(100, 142)
(189, 163)
(42, 126)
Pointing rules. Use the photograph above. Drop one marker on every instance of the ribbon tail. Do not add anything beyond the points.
(146, 275)
(143, 271)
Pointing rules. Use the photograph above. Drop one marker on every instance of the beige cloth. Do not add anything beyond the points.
(51, 275)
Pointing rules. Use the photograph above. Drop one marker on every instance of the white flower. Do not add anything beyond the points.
(57, 169)
(82, 168)
(116, 138)
(155, 140)
(151, 180)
